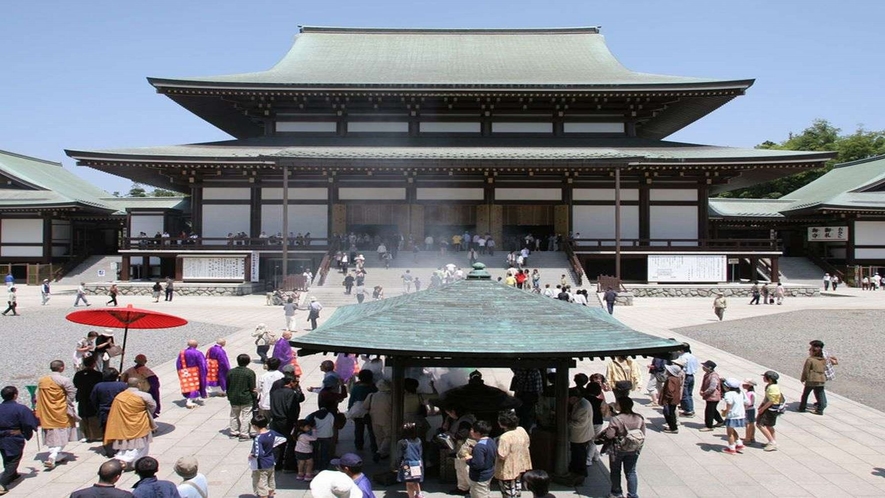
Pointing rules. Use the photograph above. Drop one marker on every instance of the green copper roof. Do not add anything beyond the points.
(548, 58)
(747, 208)
(48, 184)
(846, 186)
(479, 318)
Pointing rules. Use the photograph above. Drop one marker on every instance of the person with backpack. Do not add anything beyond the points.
(627, 431)
(770, 408)
(814, 377)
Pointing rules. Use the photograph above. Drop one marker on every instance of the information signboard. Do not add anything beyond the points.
(686, 268)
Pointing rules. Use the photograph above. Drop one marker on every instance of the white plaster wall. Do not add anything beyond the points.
(593, 127)
(869, 233)
(21, 230)
(678, 194)
(303, 218)
(147, 223)
(442, 127)
(21, 251)
(371, 194)
(307, 126)
(674, 222)
(522, 127)
(450, 194)
(377, 127)
(296, 193)
(598, 222)
(226, 193)
(219, 220)
(604, 194)
(869, 254)
(528, 194)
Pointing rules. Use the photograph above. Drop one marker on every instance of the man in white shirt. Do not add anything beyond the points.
(289, 312)
(195, 485)
(265, 382)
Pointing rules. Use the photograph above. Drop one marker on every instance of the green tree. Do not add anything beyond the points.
(819, 137)
(137, 190)
(161, 192)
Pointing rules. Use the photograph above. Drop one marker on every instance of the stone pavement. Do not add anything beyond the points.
(841, 454)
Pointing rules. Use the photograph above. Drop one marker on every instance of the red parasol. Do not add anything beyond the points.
(125, 318)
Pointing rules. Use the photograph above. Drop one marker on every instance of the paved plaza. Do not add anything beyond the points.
(840, 454)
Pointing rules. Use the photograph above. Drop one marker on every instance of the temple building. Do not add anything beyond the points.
(434, 132)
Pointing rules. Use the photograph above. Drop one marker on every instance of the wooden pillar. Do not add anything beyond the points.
(560, 458)
(775, 269)
(255, 212)
(124, 268)
(396, 413)
(47, 239)
(644, 212)
(179, 269)
(196, 210)
(703, 220)
(849, 246)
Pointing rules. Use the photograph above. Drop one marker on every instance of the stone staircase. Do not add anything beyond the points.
(88, 271)
(800, 271)
(551, 265)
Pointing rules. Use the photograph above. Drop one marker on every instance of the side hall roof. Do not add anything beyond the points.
(856, 185)
(40, 184)
(479, 319)
(330, 57)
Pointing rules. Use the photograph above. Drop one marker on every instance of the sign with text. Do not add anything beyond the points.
(828, 234)
(214, 268)
(686, 268)
(254, 266)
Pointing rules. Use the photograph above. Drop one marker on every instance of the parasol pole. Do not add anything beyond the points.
(123, 354)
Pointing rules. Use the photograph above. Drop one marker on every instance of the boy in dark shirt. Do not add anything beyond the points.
(261, 458)
(481, 462)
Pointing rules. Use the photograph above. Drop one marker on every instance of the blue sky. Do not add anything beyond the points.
(72, 74)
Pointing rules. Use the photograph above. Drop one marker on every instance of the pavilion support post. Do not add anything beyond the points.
(285, 225)
(560, 458)
(618, 223)
(396, 399)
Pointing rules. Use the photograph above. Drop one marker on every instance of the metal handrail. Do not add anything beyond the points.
(679, 244)
(575, 263)
(220, 243)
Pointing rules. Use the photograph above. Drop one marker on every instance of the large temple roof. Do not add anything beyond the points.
(450, 58)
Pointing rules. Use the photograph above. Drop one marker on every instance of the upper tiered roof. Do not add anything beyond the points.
(451, 58)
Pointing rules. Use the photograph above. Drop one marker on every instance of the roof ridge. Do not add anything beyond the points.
(859, 161)
(481, 31)
(30, 158)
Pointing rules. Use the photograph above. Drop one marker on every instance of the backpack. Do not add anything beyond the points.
(632, 442)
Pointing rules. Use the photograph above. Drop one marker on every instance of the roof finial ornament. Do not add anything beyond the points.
(479, 272)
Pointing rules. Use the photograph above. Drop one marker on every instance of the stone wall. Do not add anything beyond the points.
(711, 291)
(181, 289)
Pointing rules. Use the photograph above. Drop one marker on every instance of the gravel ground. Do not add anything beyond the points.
(781, 343)
(32, 340)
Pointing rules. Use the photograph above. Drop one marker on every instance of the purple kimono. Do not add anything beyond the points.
(282, 351)
(218, 366)
(193, 357)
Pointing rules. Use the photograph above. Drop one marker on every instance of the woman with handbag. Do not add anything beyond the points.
(263, 340)
(624, 431)
(102, 350)
(357, 410)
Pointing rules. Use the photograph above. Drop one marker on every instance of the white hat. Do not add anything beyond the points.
(334, 484)
(732, 383)
(108, 332)
(312, 299)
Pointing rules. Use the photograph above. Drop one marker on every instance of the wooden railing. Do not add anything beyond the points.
(675, 244)
(832, 270)
(603, 282)
(223, 243)
(574, 262)
(69, 265)
(324, 269)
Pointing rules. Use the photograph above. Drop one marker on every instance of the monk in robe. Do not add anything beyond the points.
(151, 381)
(130, 424)
(284, 352)
(55, 409)
(192, 370)
(218, 366)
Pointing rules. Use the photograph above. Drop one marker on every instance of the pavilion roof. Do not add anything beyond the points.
(512, 58)
(479, 319)
(856, 185)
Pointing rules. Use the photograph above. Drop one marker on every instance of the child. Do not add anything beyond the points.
(538, 482)
(261, 458)
(735, 415)
(411, 468)
(749, 386)
(481, 461)
(304, 450)
(324, 447)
